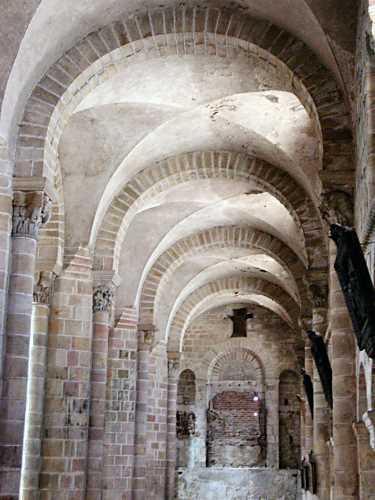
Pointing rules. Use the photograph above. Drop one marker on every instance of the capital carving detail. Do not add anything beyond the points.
(147, 331)
(42, 287)
(102, 299)
(337, 208)
(173, 368)
(30, 211)
(173, 364)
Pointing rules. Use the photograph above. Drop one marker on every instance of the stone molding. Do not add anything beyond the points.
(31, 210)
(106, 278)
(337, 208)
(43, 285)
(102, 298)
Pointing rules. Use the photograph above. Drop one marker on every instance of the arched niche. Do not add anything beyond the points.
(289, 420)
(186, 388)
(236, 424)
(186, 419)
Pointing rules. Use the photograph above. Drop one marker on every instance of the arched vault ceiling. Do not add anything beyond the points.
(227, 302)
(170, 222)
(183, 312)
(223, 125)
(239, 248)
(271, 125)
(57, 25)
(246, 268)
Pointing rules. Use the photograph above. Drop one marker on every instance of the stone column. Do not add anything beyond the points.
(366, 462)
(146, 339)
(272, 406)
(319, 296)
(102, 304)
(201, 407)
(67, 395)
(337, 208)
(173, 370)
(30, 211)
(120, 408)
(32, 441)
(309, 430)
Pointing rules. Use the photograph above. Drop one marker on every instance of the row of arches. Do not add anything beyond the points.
(235, 412)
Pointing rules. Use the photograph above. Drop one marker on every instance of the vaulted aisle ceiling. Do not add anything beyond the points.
(193, 144)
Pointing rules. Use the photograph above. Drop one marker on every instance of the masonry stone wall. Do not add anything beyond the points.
(276, 348)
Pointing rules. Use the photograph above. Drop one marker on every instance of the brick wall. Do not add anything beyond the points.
(234, 430)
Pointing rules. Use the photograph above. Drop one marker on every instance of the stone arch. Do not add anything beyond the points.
(217, 237)
(232, 355)
(184, 28)
(203, 165)
(180, 318)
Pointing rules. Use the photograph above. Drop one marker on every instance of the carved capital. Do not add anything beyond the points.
(43, 285)
(173, 364)
(148, 334)
(30, 211)
(102, 299)
(337, 208)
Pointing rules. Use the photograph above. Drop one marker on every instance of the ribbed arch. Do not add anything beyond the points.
(236, 356)
(203, 165)
(185, 30)
(218, 237)
(181, 317)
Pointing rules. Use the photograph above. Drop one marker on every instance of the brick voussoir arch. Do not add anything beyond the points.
(235, 354)
(218, 237)
(224, 350)
(202, 165)
(182, 30)
(180, 320)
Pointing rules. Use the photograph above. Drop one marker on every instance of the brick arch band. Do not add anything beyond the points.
(180, 319)
(243, 237)
(224, 349)
(236, 355)
(182, 29)
(204, 165)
